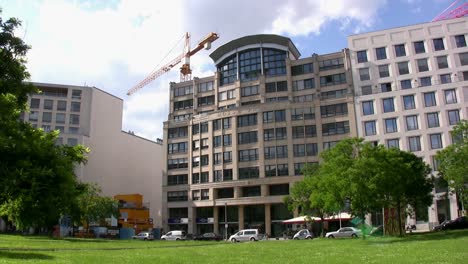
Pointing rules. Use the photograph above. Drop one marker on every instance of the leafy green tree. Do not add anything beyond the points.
(453, 165)
(92, 207)
(37, 182)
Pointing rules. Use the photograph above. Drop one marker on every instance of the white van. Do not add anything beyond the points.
(246, 235)
(174, 235)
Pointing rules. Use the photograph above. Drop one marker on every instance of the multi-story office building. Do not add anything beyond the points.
(411, 89)
(235, 142)
(119, 162)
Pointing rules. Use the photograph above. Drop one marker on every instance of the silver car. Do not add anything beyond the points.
(246, 235)
(303, 234)
(344, 232)
(144, 236)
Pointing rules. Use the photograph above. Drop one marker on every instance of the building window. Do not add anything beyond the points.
(438, 44)
(414, 143)
(368, 107)
(205, 87)
(179, 179)
(450, 96)
(305, 113)
(227, 140)
(247, 137)
(248, 173)
(216, 143)
(332, 79)
(282, 170)
(422, 65)
(303, 150)
(206, 100)
(216, 124)
(61, 129)
(334, 94)
(304, 131)
(249, 64)
(48, 104)
(460, 41)
(60, 118)
(463, 58)
(432, 120)
(425, 81)
(72, 142)
(388, 105)
(405, 84)
(393, 143)
(331, 64)
(248, 155)
(226, 123)
(383, 71)
(429, 99)
(442, 62)
(274, 87)
(177, 196)
(46, 117)
(436, 141)
(303, 98)
(181, 91)
(385, 87)
(400, 50)
(381, 53)
(227, 157)
(411, 122)
(302, 69)
(35, 102)
(329, 144)
(180, 147)
(180, 105)
(61, 105)
(370, 128)
(177, 132)
(362, 56)
(76, 94)
(274, 116)
(205, 160)
(227, 95)
(303, 84)
(274, 62)
(366, 90)
(445, 78)
(73, 130)
(403, 67)
(251, 191)
(298, 168)
(75, 107)
(408, 102)
(228, 70)
(334, 110)
(227, 175)
(454, 117)
(33, 116)
(270, 170)
(247, 120)
(419, 47)
(217, 158)
(336, 128)
(364, 74)
(225, 193)
(249, 91)
(177, 163)
(391, 125)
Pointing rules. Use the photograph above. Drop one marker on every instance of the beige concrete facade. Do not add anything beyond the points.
(315, 93)
(411, 89)
(119, 162)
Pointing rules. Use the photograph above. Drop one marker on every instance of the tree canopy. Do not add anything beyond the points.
(365, 178)
(453, 165)
(37, 180)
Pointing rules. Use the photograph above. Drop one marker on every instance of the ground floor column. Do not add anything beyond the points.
(191, 228)
(268, 219)
(216, 220)
(241, 217)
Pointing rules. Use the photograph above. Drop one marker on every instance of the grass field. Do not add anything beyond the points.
(442, 247)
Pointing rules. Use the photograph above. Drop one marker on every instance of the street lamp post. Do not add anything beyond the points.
(225, 221)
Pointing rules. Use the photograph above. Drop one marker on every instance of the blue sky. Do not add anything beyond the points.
(114, 44)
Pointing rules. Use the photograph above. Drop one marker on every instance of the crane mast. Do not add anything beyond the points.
(185, 70)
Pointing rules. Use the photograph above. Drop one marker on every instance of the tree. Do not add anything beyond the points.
(37, 182)
(92, 207)
(453, 165)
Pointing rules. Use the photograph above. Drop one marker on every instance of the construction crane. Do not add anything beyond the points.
(185, 71)
(455, 10)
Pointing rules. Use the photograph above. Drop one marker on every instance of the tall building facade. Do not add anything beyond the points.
(411, 89)
(119, 162)
(236, 142)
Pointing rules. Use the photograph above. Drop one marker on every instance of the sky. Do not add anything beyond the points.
(114, 44)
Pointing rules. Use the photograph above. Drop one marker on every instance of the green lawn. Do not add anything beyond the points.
(450, 247)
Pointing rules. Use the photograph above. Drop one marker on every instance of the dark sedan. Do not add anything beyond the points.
(208, 236)
(459, 223)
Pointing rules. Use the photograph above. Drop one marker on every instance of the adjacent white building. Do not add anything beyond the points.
(411, 89)
(119, 162)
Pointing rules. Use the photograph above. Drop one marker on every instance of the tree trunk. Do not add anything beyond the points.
(399, 218)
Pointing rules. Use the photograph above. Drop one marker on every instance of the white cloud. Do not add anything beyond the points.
(306, 17)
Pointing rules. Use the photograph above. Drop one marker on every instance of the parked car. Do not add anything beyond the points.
(458, 223)
(440, 226)
(303, 234)
(208, 236)
(144, 236)
(246, 235)
(344, 232)
(174, 235)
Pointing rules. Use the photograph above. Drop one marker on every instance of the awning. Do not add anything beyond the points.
(304, 219)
